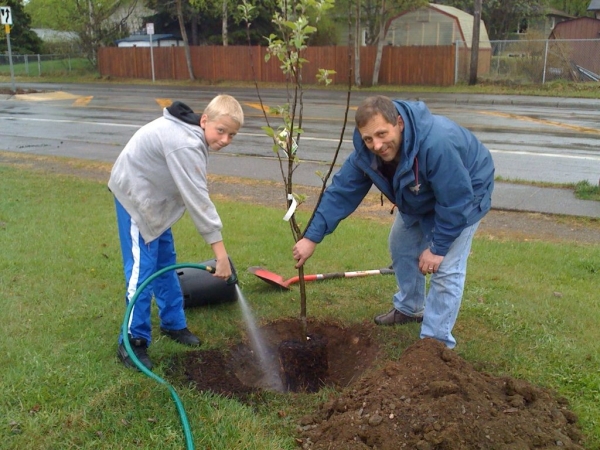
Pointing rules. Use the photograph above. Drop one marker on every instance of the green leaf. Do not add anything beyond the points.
(268, 130)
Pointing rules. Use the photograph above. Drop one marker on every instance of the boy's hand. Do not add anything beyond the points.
(223, 269)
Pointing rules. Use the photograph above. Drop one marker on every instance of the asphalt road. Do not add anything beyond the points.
(531, 138)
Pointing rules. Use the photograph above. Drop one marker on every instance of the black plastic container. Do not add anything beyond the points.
(201, 288)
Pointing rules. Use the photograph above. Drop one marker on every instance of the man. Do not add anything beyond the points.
(440, 177)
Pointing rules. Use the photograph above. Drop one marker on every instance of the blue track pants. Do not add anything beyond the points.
(140, 261)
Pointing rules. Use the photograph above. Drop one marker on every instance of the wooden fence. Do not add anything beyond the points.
(428, 66)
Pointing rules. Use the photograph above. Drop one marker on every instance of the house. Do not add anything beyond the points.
(578, 44)
(441, 25)
(143, 40)
(56, 41)
(546, 23)
(595, 8)
(435, 25)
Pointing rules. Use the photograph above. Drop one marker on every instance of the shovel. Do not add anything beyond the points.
(277, 280)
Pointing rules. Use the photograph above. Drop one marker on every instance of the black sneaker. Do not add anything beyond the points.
(395, 317)
(140, 348)
(185, 337)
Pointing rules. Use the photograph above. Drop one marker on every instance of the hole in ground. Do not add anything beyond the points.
(237, 372)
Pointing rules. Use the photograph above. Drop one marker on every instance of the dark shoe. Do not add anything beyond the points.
(140, 349)
(395, 317)
(184, 337)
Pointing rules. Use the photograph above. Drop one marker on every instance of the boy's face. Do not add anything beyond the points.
(383, 138)
(220, 132)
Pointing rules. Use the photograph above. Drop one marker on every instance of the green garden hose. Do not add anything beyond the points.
(125, 332)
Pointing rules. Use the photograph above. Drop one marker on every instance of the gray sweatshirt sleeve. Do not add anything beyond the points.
(188, 167)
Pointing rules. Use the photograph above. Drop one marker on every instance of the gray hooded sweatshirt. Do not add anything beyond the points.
(162, 171)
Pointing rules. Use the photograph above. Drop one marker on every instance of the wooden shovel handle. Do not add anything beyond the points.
(328, 276)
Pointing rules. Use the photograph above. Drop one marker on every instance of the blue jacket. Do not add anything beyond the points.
(444, 180)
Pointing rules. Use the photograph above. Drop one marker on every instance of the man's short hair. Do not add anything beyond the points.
(224, 105)
(371, 106)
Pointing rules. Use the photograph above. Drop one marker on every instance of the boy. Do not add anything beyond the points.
(161, 173)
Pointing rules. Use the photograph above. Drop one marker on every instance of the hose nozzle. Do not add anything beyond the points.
(233, 279)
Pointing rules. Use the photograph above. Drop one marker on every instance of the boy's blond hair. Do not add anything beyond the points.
(224, 105)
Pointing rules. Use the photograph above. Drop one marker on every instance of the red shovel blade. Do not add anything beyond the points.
(270, 277)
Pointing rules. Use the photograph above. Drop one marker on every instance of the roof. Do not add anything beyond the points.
(146, 38)
(594, 5)
(465, 21)
(47, 34)
(558, 13)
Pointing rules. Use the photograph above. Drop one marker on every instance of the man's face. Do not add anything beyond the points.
(383, 138)
(220, 132)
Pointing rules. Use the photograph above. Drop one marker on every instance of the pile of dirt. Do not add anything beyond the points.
(433, 399)
(9, 91)
(429, 399)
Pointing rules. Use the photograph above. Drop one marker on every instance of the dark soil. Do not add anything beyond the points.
(430, 399)
(9, 91)
(238, 372)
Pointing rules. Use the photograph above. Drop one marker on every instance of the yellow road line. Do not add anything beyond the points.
(264, 107)
(83, 101)
(164, 102)
(45, 96)
(542, 122)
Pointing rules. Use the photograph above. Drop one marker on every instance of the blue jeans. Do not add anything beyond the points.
(440, 305)
(140, 261)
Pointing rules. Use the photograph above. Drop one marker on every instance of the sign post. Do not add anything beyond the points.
(150, 31)
(6, 20)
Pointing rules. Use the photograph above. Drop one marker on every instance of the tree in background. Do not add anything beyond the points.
(204, 21)
(23, 39)
(576, 8)
(166, 19)
(378, 19)
(502, 17)
(95, 22)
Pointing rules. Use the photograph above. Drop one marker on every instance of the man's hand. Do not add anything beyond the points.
(429, 263)
(303, 250)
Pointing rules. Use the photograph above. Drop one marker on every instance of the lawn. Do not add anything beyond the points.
(530, 311)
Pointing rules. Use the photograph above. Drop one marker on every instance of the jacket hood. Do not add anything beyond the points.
(418, 121)
(183, 112)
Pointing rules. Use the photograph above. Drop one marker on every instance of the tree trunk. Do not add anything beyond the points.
(92, 29)
(380, 43)
(194, 26)
(186, 44)
(475, 43)
(357, 45)
(224, 24)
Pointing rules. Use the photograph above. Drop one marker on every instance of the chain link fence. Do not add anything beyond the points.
(540, 61)
(45, 65)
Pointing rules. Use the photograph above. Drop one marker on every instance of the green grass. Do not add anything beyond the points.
(583, 190)
(48, 68)
(530, 310)
(586, 191)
